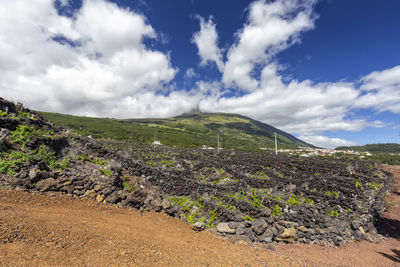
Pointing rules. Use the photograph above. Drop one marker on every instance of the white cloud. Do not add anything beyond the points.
(206, 41)
(109, 66)
(271, 27)
(110, 71)
(326, 142)
(189, 74)
(297, 107)
(382, 90)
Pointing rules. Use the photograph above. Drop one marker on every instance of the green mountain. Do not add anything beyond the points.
(374, 148)
(192, 130)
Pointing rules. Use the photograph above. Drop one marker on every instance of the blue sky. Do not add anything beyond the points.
(325, 71)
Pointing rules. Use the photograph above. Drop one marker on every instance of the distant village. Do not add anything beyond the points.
(322, 152)
(303, 151)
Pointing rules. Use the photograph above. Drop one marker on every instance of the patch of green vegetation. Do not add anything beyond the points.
(294, 200)
(3, 113)
(255, 199)
(309, 201)
(128, 186)
(262, 176)
(105, 172)
(276, 210)
(348, 210)
(334, 213)
(22, 135)
(317, 174)
(358, 184)
(374, 186)
(248, 218)
(181, 201)
(92, 160)
(230, 207)
(313, 190)
(168, 163)
(213, 216)
(192, 217)
(332, 194)
(10, 162)
(238, 196)
(281, 175)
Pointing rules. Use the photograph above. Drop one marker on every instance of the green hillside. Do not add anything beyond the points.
(374, 148)
(188, 130)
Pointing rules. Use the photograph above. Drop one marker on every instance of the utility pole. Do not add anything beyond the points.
(276, 146)
(218, 143)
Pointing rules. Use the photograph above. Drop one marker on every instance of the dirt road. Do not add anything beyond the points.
(43, 230)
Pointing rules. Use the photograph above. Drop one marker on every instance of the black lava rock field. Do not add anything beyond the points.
(254, 196)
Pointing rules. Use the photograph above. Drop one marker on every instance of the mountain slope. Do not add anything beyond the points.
(188, 130)
(375, 148)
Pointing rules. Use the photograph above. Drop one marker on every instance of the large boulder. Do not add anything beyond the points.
(225, 229)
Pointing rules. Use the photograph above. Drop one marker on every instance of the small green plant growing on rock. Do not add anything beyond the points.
(22, 135)
(10, 162)
(332, 194)
(213, 217)
(276, 210)
(358, 184)
(105, 172)
(128, 186)
(191, 218)
(248, 218)
(262, 176)
(92, 160)
(256, 200)
(294, 200)
(348, 210)
(374, 186)
(3, 113)
(309, 201)
(334, 213)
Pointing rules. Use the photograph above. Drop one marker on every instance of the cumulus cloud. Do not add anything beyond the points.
(271, 27)
(326, 142)
(189, 74)
(82, 64)
(206, 41)
(382, 90)
(298, 107)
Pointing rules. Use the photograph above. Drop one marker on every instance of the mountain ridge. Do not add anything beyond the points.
(192, 129)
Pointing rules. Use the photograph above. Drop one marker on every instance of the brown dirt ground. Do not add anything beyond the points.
(43, 230)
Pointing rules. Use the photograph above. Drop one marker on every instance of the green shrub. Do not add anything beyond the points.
(92, 160)
(105, 172)
(128, 186)
(294, 200)
(309, 201)
(255, 200)
(213, 217)
(276, 210)
(334, 213)
(10, 162)
(22, 135)
(248, 218)
(374, 186)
